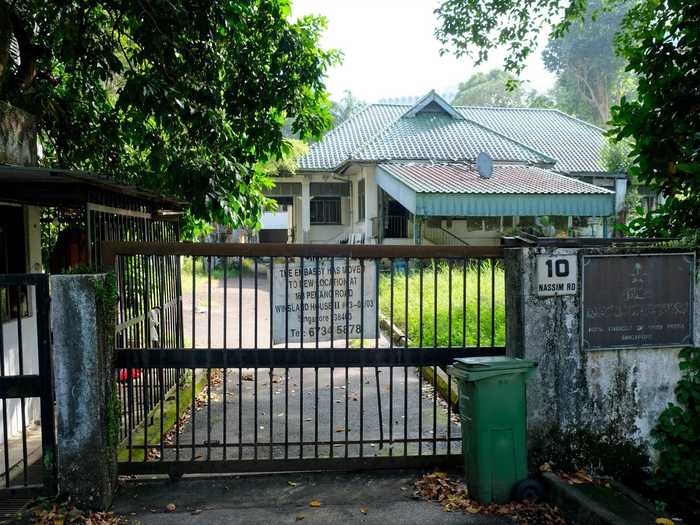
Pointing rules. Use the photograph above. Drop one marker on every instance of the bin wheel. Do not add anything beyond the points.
(528, 490)
(175, 476)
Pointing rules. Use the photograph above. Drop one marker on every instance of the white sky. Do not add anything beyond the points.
(390, 50)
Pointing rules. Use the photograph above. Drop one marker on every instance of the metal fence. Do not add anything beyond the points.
(27, 437)
(299, 357)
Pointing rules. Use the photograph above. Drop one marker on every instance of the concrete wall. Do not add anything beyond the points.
(571, 387)
(30, 357)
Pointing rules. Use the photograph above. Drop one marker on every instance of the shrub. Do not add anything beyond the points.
(677, 433)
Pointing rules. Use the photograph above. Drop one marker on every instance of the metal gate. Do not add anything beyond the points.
(298, 357)
(27, 437)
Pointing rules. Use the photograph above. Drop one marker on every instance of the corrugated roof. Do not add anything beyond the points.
(438, 136)
(506, 179)
(574, 144)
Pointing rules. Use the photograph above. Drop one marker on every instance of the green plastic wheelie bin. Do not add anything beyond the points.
(493, 411)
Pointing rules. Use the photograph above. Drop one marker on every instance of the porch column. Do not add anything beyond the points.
(371, 203)
(305, 210)
(417, 229)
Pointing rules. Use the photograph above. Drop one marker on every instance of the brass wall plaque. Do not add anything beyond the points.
(641, 300)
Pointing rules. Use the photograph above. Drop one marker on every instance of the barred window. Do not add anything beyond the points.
(325, 210)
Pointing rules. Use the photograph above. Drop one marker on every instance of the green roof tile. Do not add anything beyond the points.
(437, 136)
(383, 132)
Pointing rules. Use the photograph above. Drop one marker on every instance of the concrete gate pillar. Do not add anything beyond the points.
(87, 407)
(572, 387)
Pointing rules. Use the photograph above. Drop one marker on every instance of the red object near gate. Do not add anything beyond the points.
(125, 373)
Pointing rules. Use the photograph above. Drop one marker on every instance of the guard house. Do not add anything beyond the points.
(432, 173)
(73, 212)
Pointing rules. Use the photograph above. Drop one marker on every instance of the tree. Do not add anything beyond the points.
(490, 89)
(348, 105)
(660, 43)
(186, 97)
(590, 74)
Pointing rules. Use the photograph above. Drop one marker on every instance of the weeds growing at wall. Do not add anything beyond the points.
(604, 451)
(677, 434)
(470, 326)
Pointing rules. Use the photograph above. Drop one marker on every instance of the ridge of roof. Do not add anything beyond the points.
(379, 135)
(506, 137)
(576, 119)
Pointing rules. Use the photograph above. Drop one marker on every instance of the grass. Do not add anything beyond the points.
(170, 416)
(451, 328)
(188, 265)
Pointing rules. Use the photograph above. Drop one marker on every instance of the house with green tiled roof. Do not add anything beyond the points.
(434, 173)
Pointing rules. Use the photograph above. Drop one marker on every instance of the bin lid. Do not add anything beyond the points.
(492, 363)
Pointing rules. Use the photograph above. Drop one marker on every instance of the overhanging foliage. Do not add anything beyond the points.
(186, 97)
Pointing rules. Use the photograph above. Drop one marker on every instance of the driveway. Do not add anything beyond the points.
(370, 498)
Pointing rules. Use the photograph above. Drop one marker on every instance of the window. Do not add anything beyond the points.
(325, 210)
(361, 200)
(13, 300)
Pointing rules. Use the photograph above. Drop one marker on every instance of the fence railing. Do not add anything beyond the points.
(27, 436)
(442, 236)
(306, 356)
(396, 227)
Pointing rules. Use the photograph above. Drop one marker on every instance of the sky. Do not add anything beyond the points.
(390, 50)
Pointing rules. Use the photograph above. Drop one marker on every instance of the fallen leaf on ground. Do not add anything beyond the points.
(452, 495)
(314, 503)
(364, 510)
(292, 483)
(170, 507)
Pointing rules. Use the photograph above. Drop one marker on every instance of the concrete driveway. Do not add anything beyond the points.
(380, 498)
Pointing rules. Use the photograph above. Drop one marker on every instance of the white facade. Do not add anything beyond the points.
(11, 354)
(381, 225)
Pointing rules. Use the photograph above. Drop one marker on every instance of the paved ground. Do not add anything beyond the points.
(323, 405)
(15, 457)
(386, 497)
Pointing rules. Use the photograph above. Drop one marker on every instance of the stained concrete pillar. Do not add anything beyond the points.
(572, 387)
(87, 415)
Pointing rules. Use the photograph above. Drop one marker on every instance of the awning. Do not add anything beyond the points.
(457, 190)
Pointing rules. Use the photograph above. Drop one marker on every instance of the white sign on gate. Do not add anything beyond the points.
(557, 275)
(297, 301)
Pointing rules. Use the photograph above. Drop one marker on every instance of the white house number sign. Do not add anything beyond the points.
(556, 275)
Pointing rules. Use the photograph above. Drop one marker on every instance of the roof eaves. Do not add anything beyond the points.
(599, 189)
